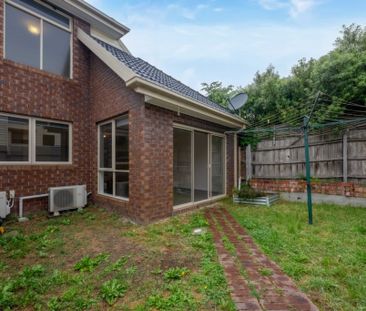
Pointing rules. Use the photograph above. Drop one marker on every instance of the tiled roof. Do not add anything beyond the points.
(154, 75)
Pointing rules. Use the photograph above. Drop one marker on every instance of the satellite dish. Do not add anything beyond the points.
(238, 101)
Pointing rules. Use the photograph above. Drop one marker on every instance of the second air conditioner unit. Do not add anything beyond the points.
(66, 198)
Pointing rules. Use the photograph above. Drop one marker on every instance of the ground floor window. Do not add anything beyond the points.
(52, 142)
(33, 140)
(198, 165)
(113, 162)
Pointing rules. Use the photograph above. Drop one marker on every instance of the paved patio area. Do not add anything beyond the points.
(256, 282)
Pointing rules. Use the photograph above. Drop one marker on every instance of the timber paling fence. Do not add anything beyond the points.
(338, 156)
(323, 139)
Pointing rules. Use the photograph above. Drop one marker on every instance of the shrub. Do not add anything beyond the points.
(247, 192)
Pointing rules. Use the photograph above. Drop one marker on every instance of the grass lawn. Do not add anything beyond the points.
(94, 260)
(327, 260)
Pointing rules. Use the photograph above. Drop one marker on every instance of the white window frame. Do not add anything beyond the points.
(42, 18)
(101, 170)
(192, 130)
(32, 142)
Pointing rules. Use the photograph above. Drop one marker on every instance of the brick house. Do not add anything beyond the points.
(76, 107)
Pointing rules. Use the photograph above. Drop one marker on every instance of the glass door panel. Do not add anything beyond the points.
(200, 166)
(217, 166)
(182, 166)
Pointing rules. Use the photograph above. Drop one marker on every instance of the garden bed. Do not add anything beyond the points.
(267, 199)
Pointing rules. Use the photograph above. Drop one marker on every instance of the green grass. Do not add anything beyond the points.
(93, 260)
(327, 259)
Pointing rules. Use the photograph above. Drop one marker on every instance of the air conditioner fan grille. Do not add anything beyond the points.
(64, 198)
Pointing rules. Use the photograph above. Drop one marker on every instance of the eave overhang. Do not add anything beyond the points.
(93, 16)
(163, 97)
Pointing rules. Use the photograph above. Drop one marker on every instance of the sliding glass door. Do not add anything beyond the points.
(217, 166)
(198, 166)
(182, 167)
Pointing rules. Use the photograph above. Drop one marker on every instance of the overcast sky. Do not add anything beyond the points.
(229, 40)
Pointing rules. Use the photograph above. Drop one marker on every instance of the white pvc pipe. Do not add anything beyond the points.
(21, 199)
(235, 160)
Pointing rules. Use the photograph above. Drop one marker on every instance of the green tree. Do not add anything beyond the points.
(218, 93)
(352, 39)
(340, 75)
(264, 94)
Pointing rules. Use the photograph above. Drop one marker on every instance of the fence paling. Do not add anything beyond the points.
(331, 157)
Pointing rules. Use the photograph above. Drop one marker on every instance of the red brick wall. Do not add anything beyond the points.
(109, 99)
(158, 164)
(32, 92)
(348, 189)
(151, 146)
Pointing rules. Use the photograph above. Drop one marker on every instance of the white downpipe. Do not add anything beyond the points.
(239, 167)
(21, 199)
(235, 160)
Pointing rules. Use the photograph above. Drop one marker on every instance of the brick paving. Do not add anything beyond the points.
(255, 282)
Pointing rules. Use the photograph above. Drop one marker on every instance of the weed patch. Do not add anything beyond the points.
(89, 264)
(175, 273)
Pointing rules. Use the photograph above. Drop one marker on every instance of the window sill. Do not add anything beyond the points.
(198, 203)
(36, 166)
(120, 199)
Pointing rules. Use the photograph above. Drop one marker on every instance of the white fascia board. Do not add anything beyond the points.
(124, 47)
(93, 16)
(112, 62)
(167, 99)
(116, 43)
(104, 37)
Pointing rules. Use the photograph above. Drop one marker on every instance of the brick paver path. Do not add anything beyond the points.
(255, 282)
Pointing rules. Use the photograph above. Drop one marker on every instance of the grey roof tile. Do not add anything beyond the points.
(155, 75)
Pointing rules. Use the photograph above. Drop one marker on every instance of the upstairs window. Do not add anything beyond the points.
(38, 36)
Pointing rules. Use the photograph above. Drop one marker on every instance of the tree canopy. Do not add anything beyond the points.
(340, 74)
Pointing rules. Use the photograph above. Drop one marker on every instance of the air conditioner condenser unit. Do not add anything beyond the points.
(4, 207)
(66, 198)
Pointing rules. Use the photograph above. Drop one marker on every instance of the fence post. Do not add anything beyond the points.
(308, 173)
(345, 157)
(248, 158)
